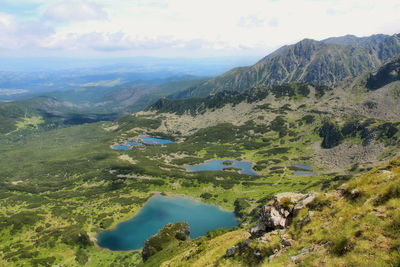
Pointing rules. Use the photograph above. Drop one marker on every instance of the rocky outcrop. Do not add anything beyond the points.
(274, 218)
(387, 73)
(279, 212)
(173, 232)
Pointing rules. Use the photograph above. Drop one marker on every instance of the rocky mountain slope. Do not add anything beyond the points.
(319, 62)
(351, 118)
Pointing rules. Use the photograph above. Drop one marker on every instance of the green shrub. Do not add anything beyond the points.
(392, 191)
(43, 261)
(241, 205)
(340, 245)
(330, 134)
(285, 202)
(308, 119)
(19, 220)
(81, 257)
(319, 202)
(215, 233)
(206, 195)
(392, 225)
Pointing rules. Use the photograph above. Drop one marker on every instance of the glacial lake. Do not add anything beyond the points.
(154, 141)
(246, 167)
(121, 147)
(159, 211)
(303, 170)
(133, 143)
(145, 139)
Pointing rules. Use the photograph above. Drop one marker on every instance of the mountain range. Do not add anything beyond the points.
(323, 62)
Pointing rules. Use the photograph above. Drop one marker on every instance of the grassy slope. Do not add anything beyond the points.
(361, 231)
(47, 175)
(43, 196)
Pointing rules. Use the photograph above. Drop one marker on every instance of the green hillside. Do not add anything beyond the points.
(62, 181)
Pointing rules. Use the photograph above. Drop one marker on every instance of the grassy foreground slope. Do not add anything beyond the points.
(357, 225)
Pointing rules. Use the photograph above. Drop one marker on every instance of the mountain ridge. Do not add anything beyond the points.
(320, 62)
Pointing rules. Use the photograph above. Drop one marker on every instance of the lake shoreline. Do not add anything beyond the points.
(154, 193)
(225, 166)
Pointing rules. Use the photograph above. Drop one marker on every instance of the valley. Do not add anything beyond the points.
(61, 184)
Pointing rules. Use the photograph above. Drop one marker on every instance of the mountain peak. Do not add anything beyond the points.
(319, 62)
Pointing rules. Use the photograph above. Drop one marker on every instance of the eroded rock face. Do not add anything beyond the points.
(278, 213)
(173, 232)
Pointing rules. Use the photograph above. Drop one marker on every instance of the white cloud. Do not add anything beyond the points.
(250, 21)
(191, 27)
(273, 22)
(22, 35)
(73, 11)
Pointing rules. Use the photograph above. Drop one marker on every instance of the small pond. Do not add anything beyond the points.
(246, 167)
(145, 140)
(159, 211)
(154, 141)
(133, 143)
(121, 147)
(303, 170)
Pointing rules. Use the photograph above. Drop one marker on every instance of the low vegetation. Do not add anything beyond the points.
(75, 185)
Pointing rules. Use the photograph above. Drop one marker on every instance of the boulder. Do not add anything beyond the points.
(305, 201)
(279, 212)
(232, 251)
(239, 248)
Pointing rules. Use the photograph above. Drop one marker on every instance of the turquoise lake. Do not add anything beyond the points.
(154, 141)
(246, 167)
(145, 139)
(133, 143)
(159, 211)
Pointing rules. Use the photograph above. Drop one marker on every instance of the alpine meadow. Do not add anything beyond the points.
(186, 133)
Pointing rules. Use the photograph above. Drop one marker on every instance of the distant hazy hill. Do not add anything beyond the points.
(320, 62)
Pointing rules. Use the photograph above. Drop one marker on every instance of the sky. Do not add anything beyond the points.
(182, 28)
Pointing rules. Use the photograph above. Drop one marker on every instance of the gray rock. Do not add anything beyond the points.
(287, 242)
(230, 252)
(241, 247)
(278, 214)
(258, 230)
(304, 202)
(296, 259)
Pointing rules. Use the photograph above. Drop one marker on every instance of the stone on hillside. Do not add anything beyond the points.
(278, 213)
(239, 248)
(304, 202)
(232, 251)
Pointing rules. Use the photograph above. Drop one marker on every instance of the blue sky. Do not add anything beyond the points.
(182, 28)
